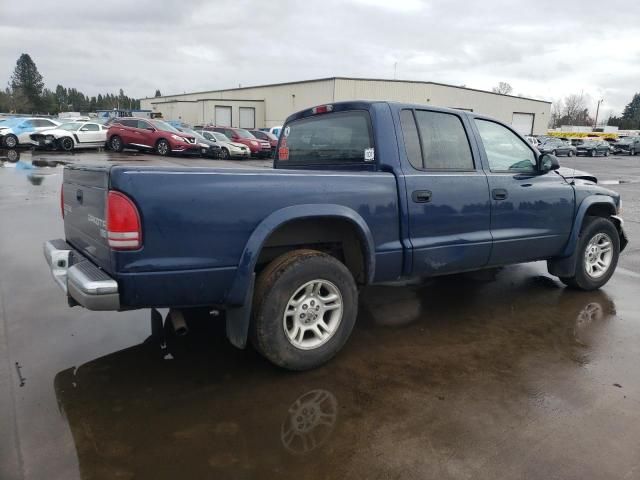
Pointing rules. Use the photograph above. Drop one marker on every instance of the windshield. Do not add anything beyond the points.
(190, 131)
(244, 133)
(164, 126)
(221, 137)
(71, 127)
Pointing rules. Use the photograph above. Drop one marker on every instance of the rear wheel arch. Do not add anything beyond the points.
(335, 236)
(286, 220)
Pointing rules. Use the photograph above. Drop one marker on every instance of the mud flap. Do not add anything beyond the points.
(562, 267)
(238, 318)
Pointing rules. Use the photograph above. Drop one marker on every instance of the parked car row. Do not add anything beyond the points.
(590, 146)
(143, 134)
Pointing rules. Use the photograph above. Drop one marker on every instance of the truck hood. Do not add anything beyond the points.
(572, 173)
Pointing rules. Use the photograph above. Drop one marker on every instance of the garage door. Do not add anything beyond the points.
(247, 117)
(522, 123)
(223, 116)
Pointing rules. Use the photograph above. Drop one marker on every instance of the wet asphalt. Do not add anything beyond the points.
(485, 376)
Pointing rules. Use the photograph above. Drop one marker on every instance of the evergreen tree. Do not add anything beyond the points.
(631, 114)
(158, 94)
(26, 84)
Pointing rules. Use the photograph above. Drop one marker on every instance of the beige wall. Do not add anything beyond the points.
(276, 102)
(497, 106)
(201, 112)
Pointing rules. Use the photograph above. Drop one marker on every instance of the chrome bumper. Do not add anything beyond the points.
(80, 279)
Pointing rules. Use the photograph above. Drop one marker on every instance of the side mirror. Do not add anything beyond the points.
(84, 129)
(548, 162)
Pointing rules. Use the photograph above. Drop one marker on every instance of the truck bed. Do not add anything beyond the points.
(196, 226)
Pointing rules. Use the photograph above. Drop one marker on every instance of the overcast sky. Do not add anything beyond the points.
(544, 49)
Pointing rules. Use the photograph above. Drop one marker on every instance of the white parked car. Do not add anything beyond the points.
(72, 135)
(17, 131)
(276, 130)
(229, 149)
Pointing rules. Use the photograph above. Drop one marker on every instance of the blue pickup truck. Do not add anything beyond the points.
(360, 193)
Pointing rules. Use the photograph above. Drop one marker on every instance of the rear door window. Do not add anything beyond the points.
(439, 141)
(330, 138)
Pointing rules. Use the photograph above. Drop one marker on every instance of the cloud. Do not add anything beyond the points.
(544, 50)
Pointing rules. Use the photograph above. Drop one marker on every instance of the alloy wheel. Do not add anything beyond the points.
(313, 314)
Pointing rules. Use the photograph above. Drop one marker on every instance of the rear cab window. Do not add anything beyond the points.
(335, 138)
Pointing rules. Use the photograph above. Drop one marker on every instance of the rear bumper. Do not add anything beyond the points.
(80, 279)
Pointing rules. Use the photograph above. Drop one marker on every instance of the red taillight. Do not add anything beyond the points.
(322, 109)
(124, 231)
(62, 200)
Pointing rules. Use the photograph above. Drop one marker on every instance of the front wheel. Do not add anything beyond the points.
(163, 148)
(632, 151)
(116, 144)
(593, 152)
(66, 144)
(570, 153)
(606, 153)
(597, 254)
(11, 141)
(225, 154)
(305, 306)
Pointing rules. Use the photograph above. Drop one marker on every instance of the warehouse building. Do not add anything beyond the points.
(269, 105)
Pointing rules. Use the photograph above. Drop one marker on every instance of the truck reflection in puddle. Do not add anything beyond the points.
(419, 389)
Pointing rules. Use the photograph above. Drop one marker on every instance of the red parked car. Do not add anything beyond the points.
(259, 148)
(269, 137)
(149, 134)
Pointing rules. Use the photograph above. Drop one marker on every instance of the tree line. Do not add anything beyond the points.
(572, 110)
(26, 93)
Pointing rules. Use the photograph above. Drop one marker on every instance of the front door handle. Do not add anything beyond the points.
(421, 196)
(499, 194)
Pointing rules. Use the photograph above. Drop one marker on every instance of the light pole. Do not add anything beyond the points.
(595, 123)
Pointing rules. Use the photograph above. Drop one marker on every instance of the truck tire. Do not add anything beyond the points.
(11, 141)
(116, 144)
(304, 309)
(66, 144)
(597, 254)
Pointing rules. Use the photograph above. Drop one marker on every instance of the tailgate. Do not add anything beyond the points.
(85, 194)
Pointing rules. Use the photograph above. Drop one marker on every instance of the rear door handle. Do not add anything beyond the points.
(421, 196)
(499, 194)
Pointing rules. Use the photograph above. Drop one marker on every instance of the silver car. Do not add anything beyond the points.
(229, 149)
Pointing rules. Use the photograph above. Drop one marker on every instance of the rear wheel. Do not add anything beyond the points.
(570, 153)
(11, 141)
(66, 144)
(163, 148)
(606, 153)
(597, 254)
(593, 152)
(116, 144)
(305, 306)
(632, 151)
